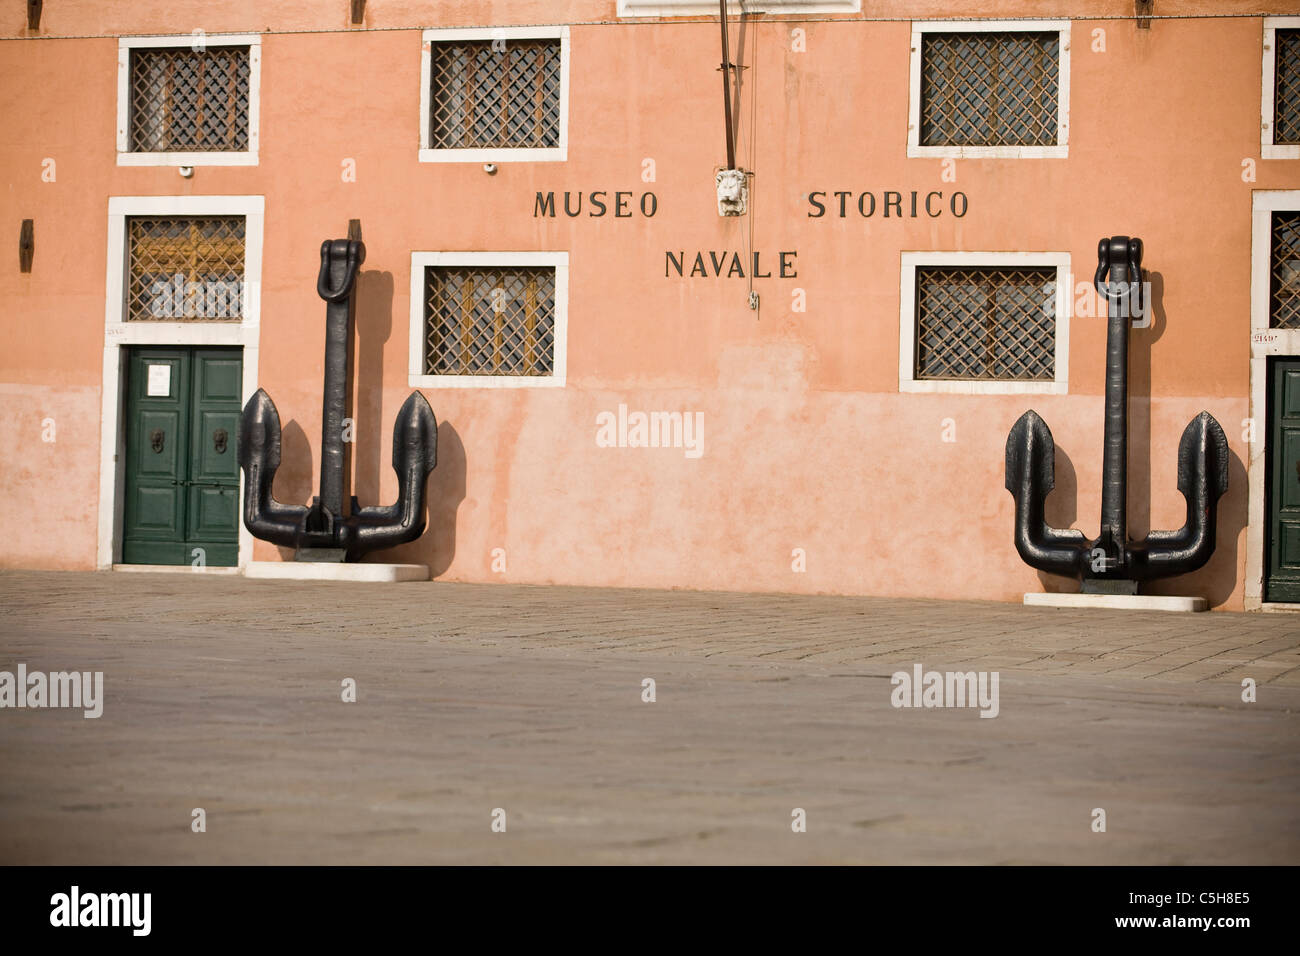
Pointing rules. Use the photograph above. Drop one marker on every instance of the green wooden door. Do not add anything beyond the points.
(182, 477)
(1283, 579)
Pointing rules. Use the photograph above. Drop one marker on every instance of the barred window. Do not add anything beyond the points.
(187, 101)
(986, 323)
(489, 320)
(1286, 87)
(1284, 272)
(185, 268)
(990, 89)
(495, 94)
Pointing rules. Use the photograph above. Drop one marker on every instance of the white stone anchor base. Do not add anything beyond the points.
(336, 571)
(1121, 602)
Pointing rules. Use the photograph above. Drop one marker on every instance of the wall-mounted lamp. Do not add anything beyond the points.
(358, 11)
(26, 246)
(33, 14)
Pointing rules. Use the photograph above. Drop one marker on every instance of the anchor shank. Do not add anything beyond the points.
(1114, 465)
(1118, 265)
(336, 454)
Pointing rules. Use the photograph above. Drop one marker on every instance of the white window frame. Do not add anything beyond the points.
(1264, 342)
(559, 261)
(246, 157)
(1267, 149)
(692, 8)
(488, 154)
(120, 334)
(907, 381)
(1062, 147)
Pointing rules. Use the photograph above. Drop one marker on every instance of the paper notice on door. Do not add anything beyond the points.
(160, 381)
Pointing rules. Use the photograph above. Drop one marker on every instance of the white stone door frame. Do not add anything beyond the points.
(1264, 343)
(120, 335)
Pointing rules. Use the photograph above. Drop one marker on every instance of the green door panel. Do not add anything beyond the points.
(182, 477)
(1282, 581)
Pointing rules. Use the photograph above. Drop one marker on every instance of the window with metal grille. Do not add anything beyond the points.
(1286, 87)
(489, 320)
(1284, 272)
(188, 101)
(990, 89)
(986, 323)
(495, 94)
(185, 268)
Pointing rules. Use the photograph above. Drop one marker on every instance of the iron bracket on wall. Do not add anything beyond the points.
(26, 245)
(1112, 563)
(323, 532)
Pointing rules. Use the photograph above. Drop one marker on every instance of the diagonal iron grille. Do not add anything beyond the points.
(1284, 268)
(986, 323)
(989, 89)
(185, 268)
(182, 100)
(489, 321)
(1286, 88)
(500, 95)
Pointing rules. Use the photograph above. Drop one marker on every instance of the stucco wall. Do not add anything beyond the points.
(808, 442)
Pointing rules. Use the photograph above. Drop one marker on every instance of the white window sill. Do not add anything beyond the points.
(987, 152)
(1270, 151)
(982, 387)
(247, 158)
(485, 381)
(550, 154)
(692, 8)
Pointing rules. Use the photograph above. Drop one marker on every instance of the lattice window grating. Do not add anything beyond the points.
(990, 89)
(489, 321)
(1284, 272)
(185, 268)
(986, 323)
(1286, 87)
(187, 101)
(502, 94)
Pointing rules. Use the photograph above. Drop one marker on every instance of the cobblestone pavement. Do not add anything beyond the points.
(224, 693)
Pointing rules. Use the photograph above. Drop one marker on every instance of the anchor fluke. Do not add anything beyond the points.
(1203, 480)
(259, 457)
(415, 454)
(1030, 467)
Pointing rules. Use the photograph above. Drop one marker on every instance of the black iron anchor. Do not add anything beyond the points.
(322, 532)
(1111, 563)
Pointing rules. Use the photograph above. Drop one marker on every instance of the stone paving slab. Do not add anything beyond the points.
(223, 693)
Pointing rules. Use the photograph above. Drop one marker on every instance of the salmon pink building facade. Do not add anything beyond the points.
(631, 389)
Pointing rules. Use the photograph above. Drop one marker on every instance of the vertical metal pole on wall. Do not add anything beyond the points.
(726, 86)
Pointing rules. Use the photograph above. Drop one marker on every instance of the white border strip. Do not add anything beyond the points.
(415, 365)
(552, 154)
(1263, 343)
(1059, 151)
(120, 334)
(907, 382)
(695, 8)
(1268, 83)
(246, 157)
